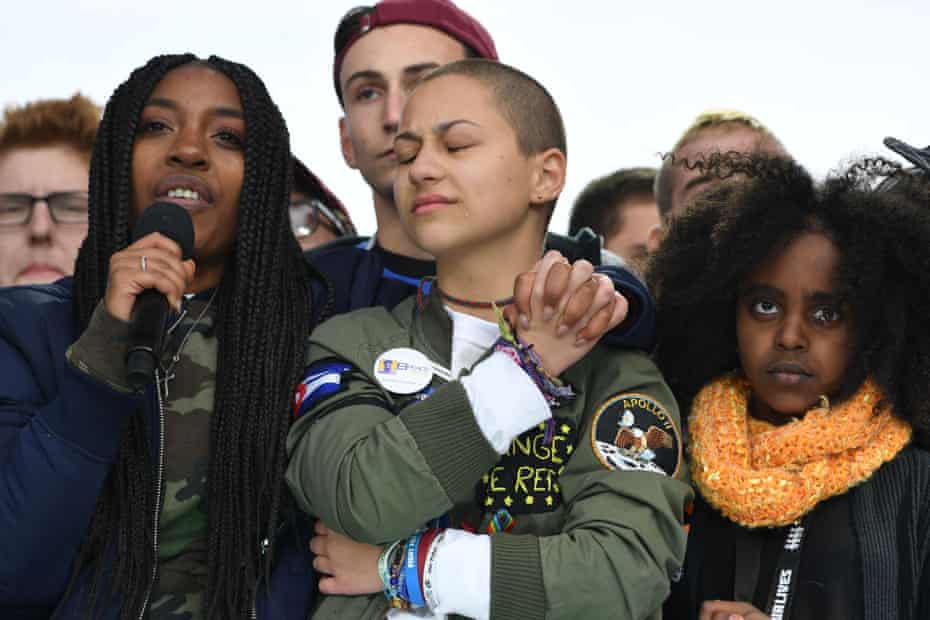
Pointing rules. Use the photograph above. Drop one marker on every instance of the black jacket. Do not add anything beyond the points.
(890, 514)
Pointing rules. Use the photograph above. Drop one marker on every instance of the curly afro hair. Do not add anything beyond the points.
(884, 275)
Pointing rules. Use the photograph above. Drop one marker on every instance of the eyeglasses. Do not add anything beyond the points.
(308, 214)
(64, 207)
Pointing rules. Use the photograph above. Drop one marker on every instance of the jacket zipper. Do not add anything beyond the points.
(158, 491)
(253, 613)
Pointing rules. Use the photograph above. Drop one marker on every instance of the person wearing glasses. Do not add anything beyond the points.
(44, 162)
(317, 216)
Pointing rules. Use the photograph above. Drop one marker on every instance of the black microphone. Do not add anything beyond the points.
(150, 311)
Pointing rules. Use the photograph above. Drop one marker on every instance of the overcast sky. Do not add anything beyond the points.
(831, 78)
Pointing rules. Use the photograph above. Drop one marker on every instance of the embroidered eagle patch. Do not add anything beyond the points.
(635, 432)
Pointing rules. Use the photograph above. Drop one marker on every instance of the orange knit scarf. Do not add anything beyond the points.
(758, 474)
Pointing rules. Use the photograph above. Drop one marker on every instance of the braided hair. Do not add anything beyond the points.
(264, 316)
(884, 272)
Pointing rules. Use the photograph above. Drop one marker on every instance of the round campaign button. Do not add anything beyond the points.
(403, 370)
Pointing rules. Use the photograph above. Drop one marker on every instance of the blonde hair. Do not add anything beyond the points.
(708, 119)
(711, 118)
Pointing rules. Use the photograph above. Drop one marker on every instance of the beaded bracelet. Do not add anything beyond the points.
(384, 570)
(397, 586)
(383, 573)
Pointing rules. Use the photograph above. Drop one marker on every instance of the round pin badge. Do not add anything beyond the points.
(403, 370)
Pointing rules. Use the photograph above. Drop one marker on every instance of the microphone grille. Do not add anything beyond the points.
(172, 221)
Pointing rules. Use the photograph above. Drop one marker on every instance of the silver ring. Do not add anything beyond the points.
(142, 263)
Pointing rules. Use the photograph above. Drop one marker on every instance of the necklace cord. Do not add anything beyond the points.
(469, 303)
(168, 372)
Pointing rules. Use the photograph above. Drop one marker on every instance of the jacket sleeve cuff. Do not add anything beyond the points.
(637, 330)
(100, 352)
(517, 590)
(505, 400)
(450, 439)
(462, 577)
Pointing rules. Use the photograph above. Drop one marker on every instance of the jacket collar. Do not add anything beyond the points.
(432, 326)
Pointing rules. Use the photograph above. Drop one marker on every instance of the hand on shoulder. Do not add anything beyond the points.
(563, 310)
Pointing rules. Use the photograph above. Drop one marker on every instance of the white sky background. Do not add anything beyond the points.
(831, 78)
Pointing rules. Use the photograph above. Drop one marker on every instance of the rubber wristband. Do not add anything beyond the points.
(422, 550)
(425, 539)
(411, 574)
(428, 593)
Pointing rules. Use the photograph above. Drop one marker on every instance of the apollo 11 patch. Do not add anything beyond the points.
(635, 432)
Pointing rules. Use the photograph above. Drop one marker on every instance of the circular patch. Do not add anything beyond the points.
(403, 370)
(634, 431)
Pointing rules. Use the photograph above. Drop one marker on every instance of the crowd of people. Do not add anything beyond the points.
(707, 400)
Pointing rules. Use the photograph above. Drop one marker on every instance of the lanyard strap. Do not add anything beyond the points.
(781, 594)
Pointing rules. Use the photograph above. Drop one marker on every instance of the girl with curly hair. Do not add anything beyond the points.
(792, 326)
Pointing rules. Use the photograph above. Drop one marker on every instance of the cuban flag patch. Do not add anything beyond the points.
(320, 380)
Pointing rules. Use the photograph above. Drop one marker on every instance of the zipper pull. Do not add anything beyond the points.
(165, 386)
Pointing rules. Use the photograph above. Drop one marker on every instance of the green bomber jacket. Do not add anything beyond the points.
(597, 510)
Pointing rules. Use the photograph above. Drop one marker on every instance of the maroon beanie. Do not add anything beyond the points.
(440, 14)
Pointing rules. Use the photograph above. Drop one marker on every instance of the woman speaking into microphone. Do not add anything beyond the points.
(165, 501)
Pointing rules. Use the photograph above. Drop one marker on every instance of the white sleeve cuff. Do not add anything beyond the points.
(505, 400)
(461, 576)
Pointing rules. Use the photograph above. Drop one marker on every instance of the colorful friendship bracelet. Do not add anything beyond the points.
(384, 571)
(502, 521)
(397, 585)
(553, 389)
(406, 566)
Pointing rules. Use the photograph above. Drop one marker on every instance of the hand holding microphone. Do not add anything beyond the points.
(152, 273)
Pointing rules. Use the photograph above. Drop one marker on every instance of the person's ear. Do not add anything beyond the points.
(548, 177)
(348, 154)
(654, 240)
